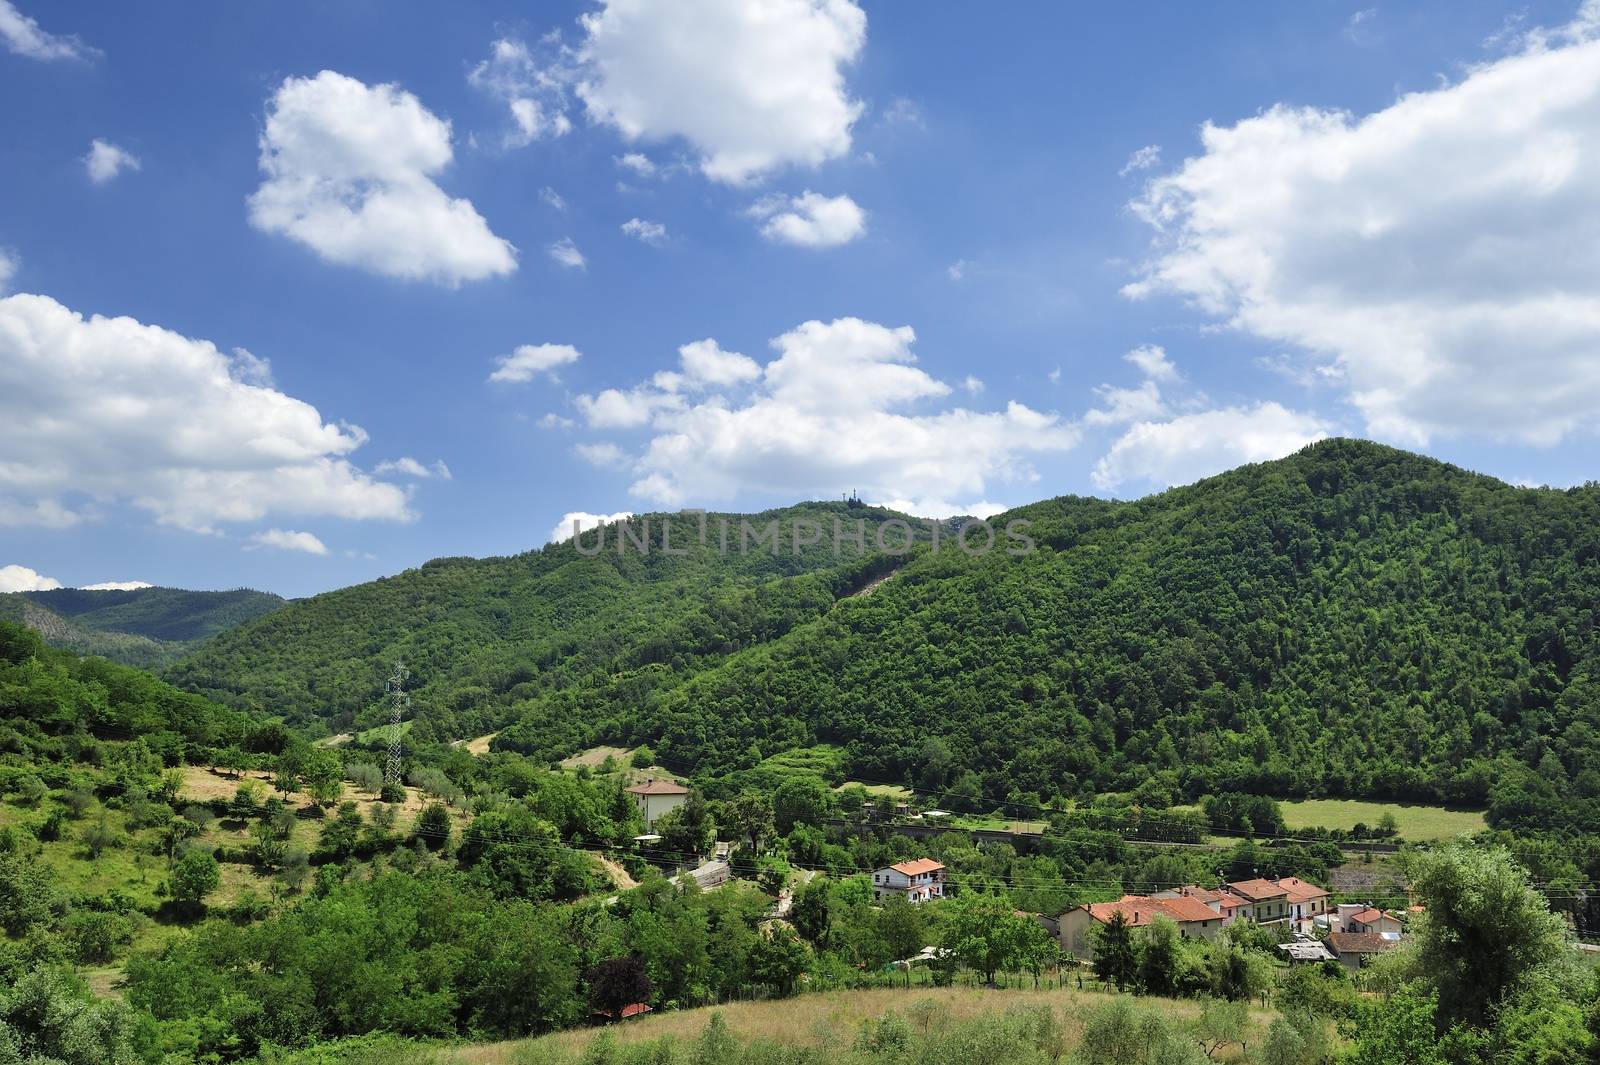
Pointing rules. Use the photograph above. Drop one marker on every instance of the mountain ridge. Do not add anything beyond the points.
(1351, 620)
(144, 627)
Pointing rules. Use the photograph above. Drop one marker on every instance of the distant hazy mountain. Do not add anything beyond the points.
(141, 626)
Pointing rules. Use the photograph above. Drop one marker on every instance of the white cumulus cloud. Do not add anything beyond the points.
(810, 219)
(350, 173)
(533, 88)
(1192, 446)
(106, 160)
(1440, 258)
(289, 540)
(98, 410)
(23, 579)
(842, 406)
(1143, 159)
(565, 252)
(1119, 406)
(582, 520)
(751, 87)
(637, 162)
(24, 37)
(406, 466)
(530, 360)
(9, 265)
(117, 586)
(645, 231)
(704, 363)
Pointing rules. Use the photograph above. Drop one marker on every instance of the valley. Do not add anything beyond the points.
(1354, 671)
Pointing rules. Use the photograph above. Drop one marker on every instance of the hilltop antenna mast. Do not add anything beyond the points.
(399, 700)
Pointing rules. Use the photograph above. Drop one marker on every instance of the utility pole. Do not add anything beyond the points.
(398, 700)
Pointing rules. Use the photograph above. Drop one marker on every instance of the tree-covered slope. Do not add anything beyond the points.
(1351, 620)
(549, 640)
(171, 614)
(139, 626)
(52, 703)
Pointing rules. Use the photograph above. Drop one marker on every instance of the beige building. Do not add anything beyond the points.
(1195, 919)
(1356, 949)
(1307, 902)
(656, 797)
(1268, 899)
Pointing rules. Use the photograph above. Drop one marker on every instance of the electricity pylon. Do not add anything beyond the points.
(398, 700)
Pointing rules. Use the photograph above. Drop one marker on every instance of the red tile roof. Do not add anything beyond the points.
(632, 1009)
(1139, 910)
(1361, 943)
(1188, 909)
(1194, 891)
(658, 787)
(1130, 909)
(1257, 890)
(1366, 916)
(1302, 890)
(916, 868)
(1230, 901)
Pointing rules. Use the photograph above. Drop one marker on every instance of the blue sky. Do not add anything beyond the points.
(952, 261)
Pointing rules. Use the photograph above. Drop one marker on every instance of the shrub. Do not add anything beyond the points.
(432, 826)
(364, 775)
(95, 936)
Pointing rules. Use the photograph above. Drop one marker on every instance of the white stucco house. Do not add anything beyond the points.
(656, 797)
(915, 881)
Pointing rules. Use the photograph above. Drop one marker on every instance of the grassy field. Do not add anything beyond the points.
(1419, 823)
(997, 824)
(894, 791)
(826, 1019)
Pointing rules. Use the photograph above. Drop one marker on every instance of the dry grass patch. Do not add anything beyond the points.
(478, 746)
(595, 757)
(826, 1019)
(207, 784)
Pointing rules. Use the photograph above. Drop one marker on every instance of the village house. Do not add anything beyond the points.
(1233, 907)
(1306, 900)
(1368, 919)
(915, 881)
(1194, 891)
(656, 797)
(1049, 924)
(1356, 949)
(1222, 901)
(1269, 899)
(1195, 919)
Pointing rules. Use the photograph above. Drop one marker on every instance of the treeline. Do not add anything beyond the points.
(550, 642)
(53, 702)
(1350, 621)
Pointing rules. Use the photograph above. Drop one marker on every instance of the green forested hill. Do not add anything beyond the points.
(140, 626)
(53, 704)
(549, 641)
(1351, 620)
